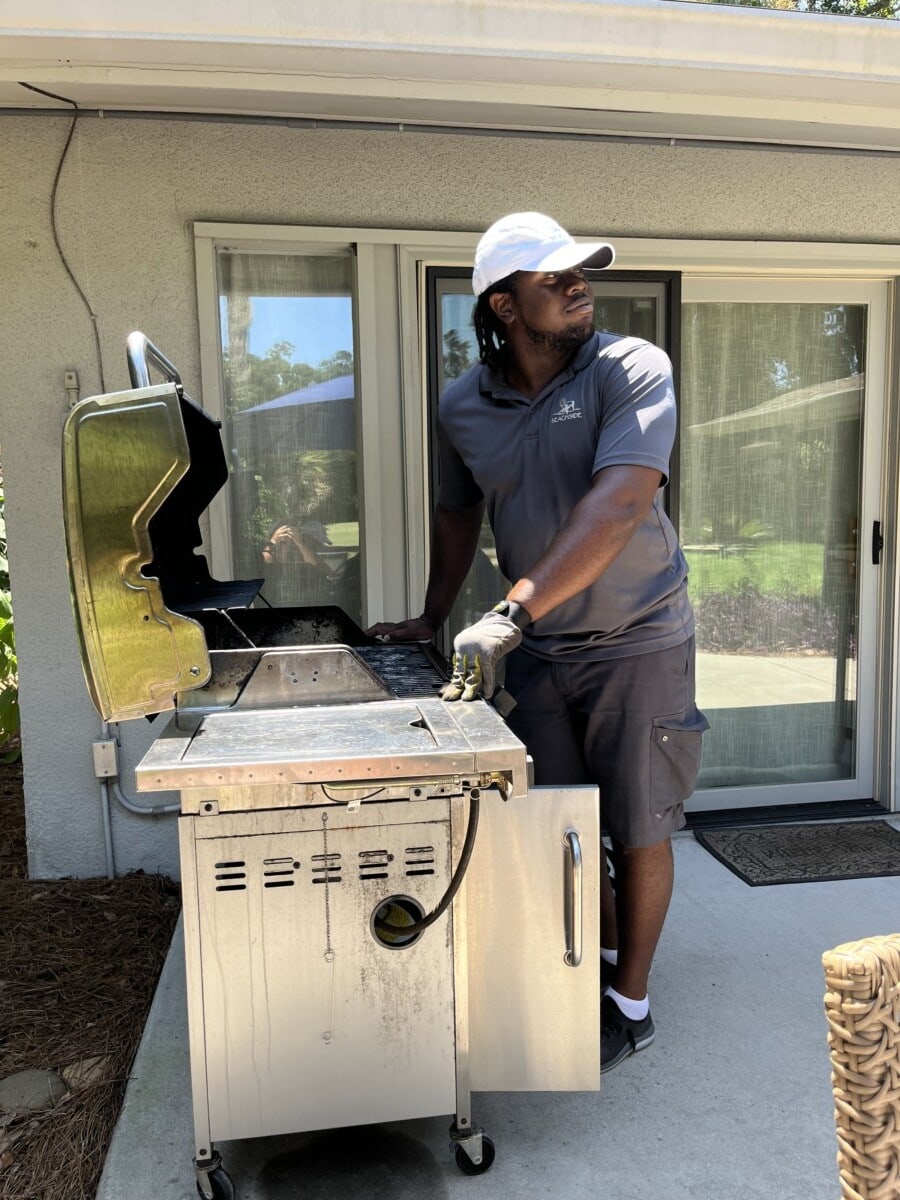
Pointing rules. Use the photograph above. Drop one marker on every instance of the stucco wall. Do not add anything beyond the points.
(127, 197)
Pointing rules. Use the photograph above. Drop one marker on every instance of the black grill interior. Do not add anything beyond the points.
(174, 529)
(408, 669)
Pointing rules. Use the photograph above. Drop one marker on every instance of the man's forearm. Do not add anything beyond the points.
(598, 529)
(453, 544)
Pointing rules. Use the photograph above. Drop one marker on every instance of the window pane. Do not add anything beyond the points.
(771, 439)
(638, 316)
(290, 425)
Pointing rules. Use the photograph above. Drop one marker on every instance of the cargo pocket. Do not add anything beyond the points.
(675, 758)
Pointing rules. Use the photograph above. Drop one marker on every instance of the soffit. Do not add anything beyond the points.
(646, 68)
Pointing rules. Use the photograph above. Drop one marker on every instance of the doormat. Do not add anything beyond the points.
(806, 853)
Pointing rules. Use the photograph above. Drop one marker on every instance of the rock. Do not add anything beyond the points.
(30, 1091)
(87, 1071)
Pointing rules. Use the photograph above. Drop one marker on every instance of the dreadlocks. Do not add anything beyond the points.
(489, 329)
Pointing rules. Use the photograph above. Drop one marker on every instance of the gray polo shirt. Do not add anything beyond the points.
(533, 460)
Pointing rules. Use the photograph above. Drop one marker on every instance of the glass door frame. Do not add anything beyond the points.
(615, 284)
(396, 504)
(380, 398)
(874, 295)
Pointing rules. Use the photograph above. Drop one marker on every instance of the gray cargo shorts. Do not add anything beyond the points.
(629, 725)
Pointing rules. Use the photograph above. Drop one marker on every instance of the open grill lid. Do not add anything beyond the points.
(139, 468)
(157, 632)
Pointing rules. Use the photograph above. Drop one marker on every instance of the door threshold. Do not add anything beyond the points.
(784, 814)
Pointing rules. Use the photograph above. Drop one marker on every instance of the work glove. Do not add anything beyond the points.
(478, 648)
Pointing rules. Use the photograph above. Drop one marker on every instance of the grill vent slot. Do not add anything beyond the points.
(419, 860)
(326, 868)
(279, 872)
(373, 864)
(230, 877)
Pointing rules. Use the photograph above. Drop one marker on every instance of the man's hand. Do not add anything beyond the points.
(478, 649)
(416, 629)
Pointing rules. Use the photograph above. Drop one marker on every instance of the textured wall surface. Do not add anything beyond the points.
(127, 196)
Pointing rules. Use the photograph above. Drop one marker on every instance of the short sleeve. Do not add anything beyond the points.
(457, 488)
(638, 409)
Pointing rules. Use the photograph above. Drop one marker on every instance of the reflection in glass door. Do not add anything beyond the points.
(778, 488)
(286, 342)
(637, 304)
(452, 350)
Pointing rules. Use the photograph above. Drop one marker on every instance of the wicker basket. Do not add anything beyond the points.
(862, 1005)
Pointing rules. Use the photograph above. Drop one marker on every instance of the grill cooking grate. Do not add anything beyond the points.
(407, 670)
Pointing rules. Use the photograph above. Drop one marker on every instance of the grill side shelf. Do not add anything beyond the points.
(170, 747)
(393, 739)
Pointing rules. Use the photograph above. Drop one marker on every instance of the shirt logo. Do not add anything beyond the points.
(566, 412)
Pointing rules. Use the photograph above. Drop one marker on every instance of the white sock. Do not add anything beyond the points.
(634, 1010)
(609, 956)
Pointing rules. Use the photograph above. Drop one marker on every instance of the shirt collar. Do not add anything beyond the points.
(491, 383)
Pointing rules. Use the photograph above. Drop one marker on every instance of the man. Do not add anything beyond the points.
(564, 435)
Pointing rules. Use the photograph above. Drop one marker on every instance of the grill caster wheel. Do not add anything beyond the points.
(220, 1182)
(465, 1163)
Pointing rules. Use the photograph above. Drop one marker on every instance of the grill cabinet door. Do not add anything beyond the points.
(534, 1020)
(307, 1021)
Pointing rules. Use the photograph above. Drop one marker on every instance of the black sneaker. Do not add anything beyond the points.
(620, 1036)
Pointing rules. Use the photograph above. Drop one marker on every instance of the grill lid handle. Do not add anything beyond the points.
(140, 350)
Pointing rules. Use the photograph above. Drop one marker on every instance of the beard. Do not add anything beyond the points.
(561, 341)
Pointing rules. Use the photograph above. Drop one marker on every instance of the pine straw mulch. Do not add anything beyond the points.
(79, 963)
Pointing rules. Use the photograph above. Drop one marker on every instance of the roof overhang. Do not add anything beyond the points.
(632, 68)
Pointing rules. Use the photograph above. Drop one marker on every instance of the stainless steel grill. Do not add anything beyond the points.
(328, 803)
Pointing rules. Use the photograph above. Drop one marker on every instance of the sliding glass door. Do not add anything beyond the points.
(781, 395)
(775, 489)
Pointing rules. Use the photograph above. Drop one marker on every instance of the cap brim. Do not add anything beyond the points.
(596, 255)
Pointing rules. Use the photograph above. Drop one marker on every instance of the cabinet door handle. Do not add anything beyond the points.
(574, 898)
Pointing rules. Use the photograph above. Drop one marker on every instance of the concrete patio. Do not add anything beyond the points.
(732, 1102)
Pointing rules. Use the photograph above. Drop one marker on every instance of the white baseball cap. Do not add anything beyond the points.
(530, 241)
